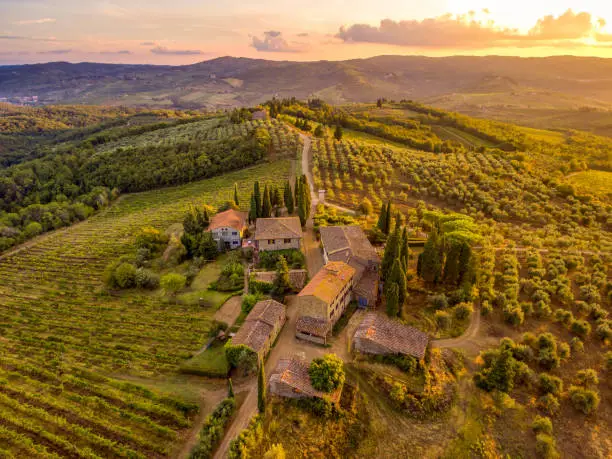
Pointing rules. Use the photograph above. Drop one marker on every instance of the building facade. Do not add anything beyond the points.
(282, 233)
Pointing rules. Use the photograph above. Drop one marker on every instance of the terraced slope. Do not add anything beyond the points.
(59, 334)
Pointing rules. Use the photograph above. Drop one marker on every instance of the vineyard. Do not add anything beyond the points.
(62, 339)
(499, 192)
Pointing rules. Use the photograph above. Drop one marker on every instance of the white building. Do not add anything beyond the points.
(228, 228)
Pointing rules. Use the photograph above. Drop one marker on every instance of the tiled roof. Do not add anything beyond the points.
(391, 334)
(259, 324)
(312, 325)
(368, 286)
(278, 228)
(297, 277)
(230, 218)
(342, 243)
(329, 281)
(294, 373)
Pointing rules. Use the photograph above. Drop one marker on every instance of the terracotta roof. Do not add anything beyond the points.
(278, 228)
(259, 324)
(297, 277)
(391, 334)
(230, 218)
(312, 325)
(329, 281)
(294, 373)
(343, 243)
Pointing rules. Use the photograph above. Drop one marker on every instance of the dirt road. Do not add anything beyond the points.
(472, 341)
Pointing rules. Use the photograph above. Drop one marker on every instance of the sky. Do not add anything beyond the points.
(187, 31)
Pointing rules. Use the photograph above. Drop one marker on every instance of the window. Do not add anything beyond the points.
(234, 233)
(270, 241)
(287, 241)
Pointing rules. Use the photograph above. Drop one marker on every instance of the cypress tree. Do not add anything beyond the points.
(296, 192)
(257, 194)
(391, 253)
(404, 252)
(277, 200)
(261, 389)
(266, 207)
(306, 191)
(431, 260)
(230, 388)
(397, 278)
(392, 300)
(289, 198)
(388, 219)
(451, 265)
(338, 133)
(253, 209)
(382, 218)
(236, 200)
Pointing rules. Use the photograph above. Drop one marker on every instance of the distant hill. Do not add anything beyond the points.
(226, 82)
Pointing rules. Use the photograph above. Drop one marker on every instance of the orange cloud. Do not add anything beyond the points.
(464, 31)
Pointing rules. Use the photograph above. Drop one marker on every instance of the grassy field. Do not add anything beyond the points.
(597, 182)
(543, 135)
(62, 339)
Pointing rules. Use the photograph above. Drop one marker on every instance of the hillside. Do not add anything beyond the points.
(227, 81)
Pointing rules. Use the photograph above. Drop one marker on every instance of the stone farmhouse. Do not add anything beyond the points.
(350, 245)
(380, 335)
(280, 233)
(228, 227)
(261, 327)
(323, 300)
(290, 379)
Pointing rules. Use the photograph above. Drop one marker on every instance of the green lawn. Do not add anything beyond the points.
(211, 362)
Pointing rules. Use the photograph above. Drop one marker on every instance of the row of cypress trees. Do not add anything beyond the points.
(263, 204)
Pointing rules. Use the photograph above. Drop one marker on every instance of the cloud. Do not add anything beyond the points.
(465, 31)
(123, 51)
(36, 21)
(274, 42)
(55, 51)
(567, 26)
(176, 52)
(303, 34)
(148, 43)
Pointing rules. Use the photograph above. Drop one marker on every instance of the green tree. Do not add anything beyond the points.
(276, 451)
(236, 199)
(277, 197)
(289, 203)
(338, 133)
(326, 373)
(319, 131)
(266, 207)
(392, 296)
(281, 282)
(391, 254)
(398, 277)
(172, 283)
(389, 218)
(257, 194)
(404, 250)
(230, 388)
(261, 389)
(125, 275)
(430, 262)
(382, 219)
(253, 209)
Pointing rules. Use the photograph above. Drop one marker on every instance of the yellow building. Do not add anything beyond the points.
(323, 300)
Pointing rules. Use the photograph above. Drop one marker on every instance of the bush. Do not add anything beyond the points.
(542, 424)
(172, 283)
(549, 404)
(146, 279)
(604, 331)
(439, 301)
(241, 356)
(545, 447)
(125, 275)
(213, 429)
(587, 378)
(326, 373)
(463, 310)
(443, 319)
(577, 345)
(550, 384)
(564, 316)
(584, 400)
(514, 315)
(269, 259)
(608, 361)
(249, 301)
(581, 328)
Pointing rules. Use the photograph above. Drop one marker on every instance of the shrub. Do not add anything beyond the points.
(587, 378)
(485, 308)
(499, 371)
(608, 361)
(242, 446)
(545, 447)
(276, 451)
(172, 283)
(549, 404)
(547, 351)
(125, 275)
(213, 429)
(463, 310)
(443, 319)
(550, 384)
(564, 351)
(584, 400)
(514, 315)
(542, 424)
(577, 345)
(564, 316)
(581, 328)
(327, 373)
(241, 356)
(604, 331)
(249, 301)
(146, 279)
(439, 301)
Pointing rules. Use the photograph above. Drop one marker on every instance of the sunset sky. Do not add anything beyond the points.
(187, 31)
